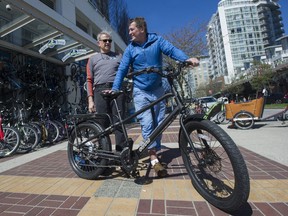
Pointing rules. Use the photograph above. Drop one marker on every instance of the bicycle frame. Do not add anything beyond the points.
(160, 128)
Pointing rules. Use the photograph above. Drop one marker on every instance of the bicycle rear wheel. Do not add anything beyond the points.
(10, 142)
(81, 154)
(62, 131)
(244, 120)
(215, 165)
(52, 132)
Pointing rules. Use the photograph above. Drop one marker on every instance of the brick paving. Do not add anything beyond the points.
(48, 186)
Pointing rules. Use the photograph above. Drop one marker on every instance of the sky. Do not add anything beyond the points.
(165, 16)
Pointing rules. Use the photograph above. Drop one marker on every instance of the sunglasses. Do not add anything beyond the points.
(106, 40)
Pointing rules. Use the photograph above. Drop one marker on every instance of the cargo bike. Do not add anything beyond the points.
(245, 114)
(212, 159)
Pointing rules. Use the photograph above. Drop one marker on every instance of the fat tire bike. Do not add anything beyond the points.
(213, 161)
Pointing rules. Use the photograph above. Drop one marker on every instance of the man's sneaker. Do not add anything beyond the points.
(160, 170)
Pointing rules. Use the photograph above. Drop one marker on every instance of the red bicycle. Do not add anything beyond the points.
(9, 139)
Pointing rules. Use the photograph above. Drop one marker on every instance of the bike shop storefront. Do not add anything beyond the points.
(41, 64)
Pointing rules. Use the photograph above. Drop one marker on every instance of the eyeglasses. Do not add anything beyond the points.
(106, 40)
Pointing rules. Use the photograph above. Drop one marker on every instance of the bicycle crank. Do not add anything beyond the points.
(129, 161)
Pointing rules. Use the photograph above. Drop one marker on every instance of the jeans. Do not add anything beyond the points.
(147, 121)
(108, 106)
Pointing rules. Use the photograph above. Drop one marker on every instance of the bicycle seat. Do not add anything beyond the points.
(111, 95)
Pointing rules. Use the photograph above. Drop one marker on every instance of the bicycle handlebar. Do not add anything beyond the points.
(171, 73)
(160, 71)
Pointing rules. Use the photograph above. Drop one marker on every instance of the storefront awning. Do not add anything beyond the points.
(29, 34)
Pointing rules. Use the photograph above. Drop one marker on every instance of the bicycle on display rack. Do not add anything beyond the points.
(212, 159)
(9, 139)
(29, 138)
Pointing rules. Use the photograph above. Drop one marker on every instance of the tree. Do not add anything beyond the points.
(190, 39)
(201, 90)
(263, 76)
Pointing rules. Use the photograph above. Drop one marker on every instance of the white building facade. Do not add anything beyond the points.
(240, 30)
(197, 78)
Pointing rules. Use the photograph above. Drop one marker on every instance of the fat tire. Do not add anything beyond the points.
(235, 187)
(82, 163)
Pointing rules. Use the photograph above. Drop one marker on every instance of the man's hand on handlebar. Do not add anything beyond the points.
(193, 61)
(109, 93)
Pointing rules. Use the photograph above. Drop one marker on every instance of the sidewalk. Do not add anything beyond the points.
(42, 182)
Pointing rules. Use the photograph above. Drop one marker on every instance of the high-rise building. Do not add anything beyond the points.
(197, 79)
(240, 30)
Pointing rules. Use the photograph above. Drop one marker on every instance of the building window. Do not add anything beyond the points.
(81, 26)
(49, 3)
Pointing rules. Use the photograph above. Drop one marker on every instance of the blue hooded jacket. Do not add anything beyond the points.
(144, 56)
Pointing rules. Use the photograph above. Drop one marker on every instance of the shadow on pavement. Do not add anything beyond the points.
(244, 210)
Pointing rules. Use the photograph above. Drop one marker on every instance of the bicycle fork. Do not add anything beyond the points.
(190, 142)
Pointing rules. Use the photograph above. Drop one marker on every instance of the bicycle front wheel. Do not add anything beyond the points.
(215, 165)
(221, 118)
(10, 143)
(29, 138)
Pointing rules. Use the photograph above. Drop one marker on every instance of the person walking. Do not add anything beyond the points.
(101, 70)
(145, 50)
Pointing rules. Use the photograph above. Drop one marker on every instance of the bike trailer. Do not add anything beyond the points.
(254, 107)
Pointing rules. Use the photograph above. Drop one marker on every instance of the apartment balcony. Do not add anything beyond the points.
(265, 35)
(262, 16)
(265, 29)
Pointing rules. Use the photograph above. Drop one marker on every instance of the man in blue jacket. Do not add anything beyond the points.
(144, 51)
